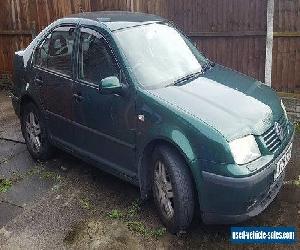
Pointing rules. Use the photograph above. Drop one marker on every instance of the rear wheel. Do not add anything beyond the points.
(35, 133)
(172, 189)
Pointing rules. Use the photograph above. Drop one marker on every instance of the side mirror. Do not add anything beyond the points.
(111, 85)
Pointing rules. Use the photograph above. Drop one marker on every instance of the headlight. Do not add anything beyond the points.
(244, 149)
(284, 110)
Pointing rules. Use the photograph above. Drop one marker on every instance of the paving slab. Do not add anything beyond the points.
(27, 190)
(9, 123)
(8, 212)
(15, 162)
(9, 149)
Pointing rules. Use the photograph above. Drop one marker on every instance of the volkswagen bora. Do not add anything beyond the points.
(131, 94)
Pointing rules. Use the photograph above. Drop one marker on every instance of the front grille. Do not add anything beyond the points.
(272, 139)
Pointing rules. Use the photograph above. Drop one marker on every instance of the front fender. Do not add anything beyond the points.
(171, 135)
(157, 134)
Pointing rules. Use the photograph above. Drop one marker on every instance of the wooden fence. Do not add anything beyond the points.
(230, 32)
(286, 48)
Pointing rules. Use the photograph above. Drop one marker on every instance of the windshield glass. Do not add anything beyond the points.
(158, 54)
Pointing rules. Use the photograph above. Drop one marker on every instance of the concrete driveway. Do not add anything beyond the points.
(65, 203)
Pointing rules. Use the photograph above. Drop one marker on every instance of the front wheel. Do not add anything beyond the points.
(172, 189)
(35, 133)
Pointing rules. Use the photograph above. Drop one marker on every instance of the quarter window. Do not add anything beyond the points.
(95, 59)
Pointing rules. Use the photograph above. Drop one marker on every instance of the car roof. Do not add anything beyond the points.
(116, 20)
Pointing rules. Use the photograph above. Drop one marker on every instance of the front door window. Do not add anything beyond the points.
(95, 60)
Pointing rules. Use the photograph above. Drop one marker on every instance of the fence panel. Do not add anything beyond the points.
(286, 50)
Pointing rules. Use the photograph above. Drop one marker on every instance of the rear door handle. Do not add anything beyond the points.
(38, 81)
(78, 97)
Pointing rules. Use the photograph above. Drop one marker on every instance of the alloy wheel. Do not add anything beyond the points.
(163, 189)
(33, 131)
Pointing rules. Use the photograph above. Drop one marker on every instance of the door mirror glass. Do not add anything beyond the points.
(110, 85)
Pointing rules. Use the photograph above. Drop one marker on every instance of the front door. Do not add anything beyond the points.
(104, 124)
(53, 72)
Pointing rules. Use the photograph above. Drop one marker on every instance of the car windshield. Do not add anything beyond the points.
(159, 55)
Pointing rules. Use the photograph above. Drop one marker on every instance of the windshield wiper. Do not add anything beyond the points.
(194, 75)
(188, 77)
(208, 66)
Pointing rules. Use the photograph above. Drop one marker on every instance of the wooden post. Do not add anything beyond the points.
(269, 42)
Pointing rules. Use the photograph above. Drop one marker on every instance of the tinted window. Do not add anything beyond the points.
(95, 59)
(41, 53)
(55, 52)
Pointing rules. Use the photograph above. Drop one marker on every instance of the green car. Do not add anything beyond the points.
(131, 94)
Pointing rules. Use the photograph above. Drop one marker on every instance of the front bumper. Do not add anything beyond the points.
(229, 200)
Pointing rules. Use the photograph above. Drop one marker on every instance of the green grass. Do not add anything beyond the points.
(129, 213)
(5, 185)
(42, 173)
(56, 187)
(297, 182)
(159, 232)
(34, 171)
(85, 203)
(131, 218)
(140, 228)
(115, 214)
(293, 182)
(134, 209)
(297, 127)
(48, 175)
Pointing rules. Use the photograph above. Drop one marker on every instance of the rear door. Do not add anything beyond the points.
(105, 124)
(53, 69)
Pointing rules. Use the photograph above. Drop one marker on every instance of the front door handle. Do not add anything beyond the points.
(78, 97)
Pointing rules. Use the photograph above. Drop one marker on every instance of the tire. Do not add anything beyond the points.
(35, 133)
(181, 194)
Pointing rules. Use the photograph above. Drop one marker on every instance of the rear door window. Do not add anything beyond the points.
(41, 53)
(55, 52)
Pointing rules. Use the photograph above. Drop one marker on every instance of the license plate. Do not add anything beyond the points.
(281, 164)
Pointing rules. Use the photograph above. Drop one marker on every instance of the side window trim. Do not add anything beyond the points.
(72, 76)
(112, 53)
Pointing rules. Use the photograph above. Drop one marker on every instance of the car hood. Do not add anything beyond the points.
(232, 103)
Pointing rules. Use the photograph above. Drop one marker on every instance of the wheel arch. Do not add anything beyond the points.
(26, 98)
(144, 167)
